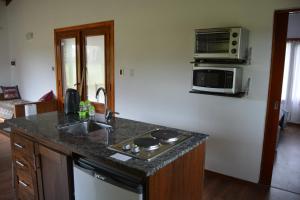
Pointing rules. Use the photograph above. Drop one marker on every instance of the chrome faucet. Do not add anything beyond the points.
(107, 112)
(105, 97)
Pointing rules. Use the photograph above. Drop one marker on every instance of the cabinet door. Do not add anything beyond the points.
(53, 175)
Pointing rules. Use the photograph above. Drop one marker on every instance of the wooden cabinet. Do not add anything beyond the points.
(42, 173)
(53, 174)
(39, 172)
(23, 158)
(182, 179)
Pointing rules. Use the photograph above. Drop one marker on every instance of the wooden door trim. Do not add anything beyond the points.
(108, 26)
(274, 94)
(85, 26)
(291, 10)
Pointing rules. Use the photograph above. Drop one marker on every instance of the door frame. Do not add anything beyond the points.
(280, 28)
(108, 27)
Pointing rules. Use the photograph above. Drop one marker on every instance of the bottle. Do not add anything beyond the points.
(82, 110)
(92, 112)
(87, 107)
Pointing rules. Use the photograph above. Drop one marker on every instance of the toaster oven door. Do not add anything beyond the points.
(213, 44)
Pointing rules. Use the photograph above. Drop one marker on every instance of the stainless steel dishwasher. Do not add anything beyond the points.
(93, 182)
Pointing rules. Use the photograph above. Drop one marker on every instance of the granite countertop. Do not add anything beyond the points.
(43, 128)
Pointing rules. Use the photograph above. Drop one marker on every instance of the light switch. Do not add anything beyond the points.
(122, 72)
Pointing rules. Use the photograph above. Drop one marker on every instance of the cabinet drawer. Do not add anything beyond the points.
(23, 194)
(23, 163)
(22, 145)
(24, 182)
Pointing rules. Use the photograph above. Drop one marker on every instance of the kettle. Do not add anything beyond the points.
(72, 100)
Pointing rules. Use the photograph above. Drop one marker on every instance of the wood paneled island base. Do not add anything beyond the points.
(181, 179)
(43, 158)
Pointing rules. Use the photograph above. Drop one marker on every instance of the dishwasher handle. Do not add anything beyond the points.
(113, 179)
(84, 167)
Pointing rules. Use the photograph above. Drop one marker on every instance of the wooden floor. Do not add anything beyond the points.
(220, 187)
(217, 187)
(6, 190)
(286, 171)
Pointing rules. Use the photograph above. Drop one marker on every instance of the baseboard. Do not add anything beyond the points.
(292, 124)
(206, 171)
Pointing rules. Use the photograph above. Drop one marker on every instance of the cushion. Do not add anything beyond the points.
(10, 92)
(47, 97)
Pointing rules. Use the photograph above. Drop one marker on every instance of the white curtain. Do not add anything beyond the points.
(291, 82)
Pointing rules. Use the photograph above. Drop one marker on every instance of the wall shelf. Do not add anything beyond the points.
(237, 95)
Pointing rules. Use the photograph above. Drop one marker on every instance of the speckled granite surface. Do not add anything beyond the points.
(43, 128)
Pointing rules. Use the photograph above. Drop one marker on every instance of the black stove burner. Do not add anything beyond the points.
(165, 136)
(147, 143)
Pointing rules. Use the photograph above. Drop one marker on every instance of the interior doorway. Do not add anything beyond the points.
(286, 169)
(280, 142)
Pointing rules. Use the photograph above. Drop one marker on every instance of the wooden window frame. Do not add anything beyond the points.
(80, 32)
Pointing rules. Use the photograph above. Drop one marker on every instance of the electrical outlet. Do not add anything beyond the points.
(29, 36)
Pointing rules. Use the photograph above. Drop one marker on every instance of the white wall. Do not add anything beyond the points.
(4, 53)
(294, 25)
(155, 39)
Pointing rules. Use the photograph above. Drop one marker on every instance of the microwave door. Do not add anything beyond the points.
(212, 81)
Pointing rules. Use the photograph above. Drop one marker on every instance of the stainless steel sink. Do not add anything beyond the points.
(84, 128)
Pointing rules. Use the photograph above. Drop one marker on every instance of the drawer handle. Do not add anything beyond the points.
(23, 184)
(20, 163)
(18, 145)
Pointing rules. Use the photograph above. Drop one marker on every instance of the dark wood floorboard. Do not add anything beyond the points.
(219, 187)
(6, 189)
(286, 171)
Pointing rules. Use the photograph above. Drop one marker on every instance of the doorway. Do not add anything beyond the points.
(278, 133)
(286, 169)
(85, 62)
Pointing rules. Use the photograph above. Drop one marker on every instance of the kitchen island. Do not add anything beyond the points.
(48, 154)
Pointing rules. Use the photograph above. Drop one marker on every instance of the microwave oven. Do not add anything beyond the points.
(221, 43)
(226, 80)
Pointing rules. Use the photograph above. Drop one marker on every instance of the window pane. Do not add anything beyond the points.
(68, 47)
(95, 63)
(286, 72)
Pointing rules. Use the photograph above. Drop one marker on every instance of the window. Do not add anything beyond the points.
(290, 98)
(85, 61)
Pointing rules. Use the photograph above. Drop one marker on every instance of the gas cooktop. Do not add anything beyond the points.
(150, 144)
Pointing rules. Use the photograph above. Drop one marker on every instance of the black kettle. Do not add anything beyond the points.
(72, 100)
